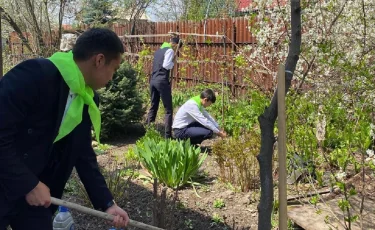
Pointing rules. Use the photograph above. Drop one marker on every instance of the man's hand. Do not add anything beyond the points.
(121, 217)
(222, 133)
(39, 196)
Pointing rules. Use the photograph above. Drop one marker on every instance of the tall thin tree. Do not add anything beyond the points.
(267, 122)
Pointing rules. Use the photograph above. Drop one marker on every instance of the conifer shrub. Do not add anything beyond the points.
(120, 102)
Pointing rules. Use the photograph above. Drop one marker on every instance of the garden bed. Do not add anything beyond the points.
(217, 207)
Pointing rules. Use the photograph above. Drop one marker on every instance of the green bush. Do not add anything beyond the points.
(172, 162)
(120, 103)
(151, 133)
(344, 130)
(240, 115)
(236, 157)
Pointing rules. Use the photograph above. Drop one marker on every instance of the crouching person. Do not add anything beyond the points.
(193, 122)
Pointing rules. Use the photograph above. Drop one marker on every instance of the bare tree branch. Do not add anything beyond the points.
(16, 28)
(48, 21)
(39, 35)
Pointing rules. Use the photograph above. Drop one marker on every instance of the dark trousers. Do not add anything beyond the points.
(27, 218)
(196, 132)
(161, 88)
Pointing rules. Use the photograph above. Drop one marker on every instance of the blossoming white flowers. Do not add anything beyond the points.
(330, 40)
(341, 175)
(371, 156)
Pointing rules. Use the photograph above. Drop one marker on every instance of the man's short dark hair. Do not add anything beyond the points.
(177, 41)
(209, 95)
(98, 40)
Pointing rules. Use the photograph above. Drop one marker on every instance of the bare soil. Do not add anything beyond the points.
(194, 208)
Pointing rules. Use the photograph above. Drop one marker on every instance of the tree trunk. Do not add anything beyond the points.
(267, 123)
(61, 16)
(48, 22)
(16, 28)
(39, 35)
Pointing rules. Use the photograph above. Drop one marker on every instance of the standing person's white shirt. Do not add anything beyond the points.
(168, 59)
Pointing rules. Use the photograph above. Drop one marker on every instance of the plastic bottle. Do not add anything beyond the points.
(63, 220)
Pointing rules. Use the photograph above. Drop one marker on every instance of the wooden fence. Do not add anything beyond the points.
(208, 55)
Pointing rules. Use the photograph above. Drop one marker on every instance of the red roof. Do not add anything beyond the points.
(66, 27)
(243, 4)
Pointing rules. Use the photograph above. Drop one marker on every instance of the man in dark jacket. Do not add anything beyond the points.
(160, 85)
(47, 108)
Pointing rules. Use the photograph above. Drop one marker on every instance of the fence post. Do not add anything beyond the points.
(224, 73)
(281, 150)
(234, 50)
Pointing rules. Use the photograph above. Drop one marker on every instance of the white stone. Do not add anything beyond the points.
(67, 41)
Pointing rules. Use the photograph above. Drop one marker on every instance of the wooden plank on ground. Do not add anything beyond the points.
(307, 217)
(323, 216)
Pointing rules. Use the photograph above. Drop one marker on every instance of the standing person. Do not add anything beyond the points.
(160, 85)
(193, 122)
(47, 109)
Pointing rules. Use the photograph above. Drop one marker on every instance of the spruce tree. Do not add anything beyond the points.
(98, 12)
(120, 102)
